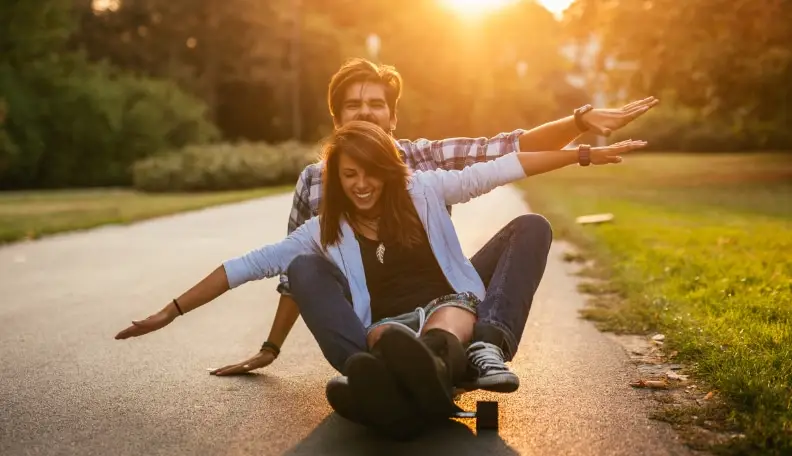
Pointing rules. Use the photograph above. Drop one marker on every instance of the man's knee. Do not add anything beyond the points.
(534, 225)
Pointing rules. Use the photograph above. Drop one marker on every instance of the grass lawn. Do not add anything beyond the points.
(700, 249)
(28, 215)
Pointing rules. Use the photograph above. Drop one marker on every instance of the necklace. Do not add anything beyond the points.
(374, 226)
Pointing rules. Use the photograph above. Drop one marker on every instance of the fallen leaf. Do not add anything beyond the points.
(594, 218)
(658, 337)
(656, 384)
(674, 376)
(708, 396)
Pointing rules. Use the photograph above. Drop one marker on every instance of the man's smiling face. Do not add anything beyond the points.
(366, 101)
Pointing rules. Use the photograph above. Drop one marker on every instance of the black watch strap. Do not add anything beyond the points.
(269, 346)
(579, 117)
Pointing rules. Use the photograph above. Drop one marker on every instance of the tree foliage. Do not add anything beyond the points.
(728, 60)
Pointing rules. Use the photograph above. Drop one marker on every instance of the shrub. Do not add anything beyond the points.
(671, 127)
(76, 123)
(223, 167)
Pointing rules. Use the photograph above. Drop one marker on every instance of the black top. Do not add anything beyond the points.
(407, 278)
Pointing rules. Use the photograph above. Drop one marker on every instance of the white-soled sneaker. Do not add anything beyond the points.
(493, 374)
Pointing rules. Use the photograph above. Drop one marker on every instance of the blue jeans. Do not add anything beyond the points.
(511, 265)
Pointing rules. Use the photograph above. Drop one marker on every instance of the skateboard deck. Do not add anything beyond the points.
(485, 414)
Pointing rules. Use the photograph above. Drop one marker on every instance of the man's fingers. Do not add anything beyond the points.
(632, 115)
(224, 370)
(638, 103)
(615, 159)
(234, 369)
(602, 131)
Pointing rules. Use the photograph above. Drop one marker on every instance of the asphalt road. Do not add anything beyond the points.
(67, 387)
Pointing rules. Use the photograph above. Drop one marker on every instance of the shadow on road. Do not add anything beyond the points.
(337, 436)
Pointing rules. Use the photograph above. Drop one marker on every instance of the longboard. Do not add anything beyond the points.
(486, 413)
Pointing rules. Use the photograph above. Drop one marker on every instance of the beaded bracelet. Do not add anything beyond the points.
(269, 346)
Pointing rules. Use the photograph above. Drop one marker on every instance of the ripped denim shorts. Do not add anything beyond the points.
(415, 320)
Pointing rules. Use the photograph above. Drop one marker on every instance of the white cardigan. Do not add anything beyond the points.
(431, 192)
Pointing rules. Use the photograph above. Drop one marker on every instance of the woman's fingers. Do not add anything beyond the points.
(612, 153)
(141, 327)
(626, 146)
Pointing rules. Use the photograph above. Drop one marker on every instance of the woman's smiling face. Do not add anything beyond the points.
(363, 189)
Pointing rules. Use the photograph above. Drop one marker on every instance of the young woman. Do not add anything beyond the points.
(408, 306)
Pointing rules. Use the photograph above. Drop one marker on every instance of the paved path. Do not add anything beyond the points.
(66, 387)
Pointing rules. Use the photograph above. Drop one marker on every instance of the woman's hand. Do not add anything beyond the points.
(611, 154)
(154, 322)
(261, 359)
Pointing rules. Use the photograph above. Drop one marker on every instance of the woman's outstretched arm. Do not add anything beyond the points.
(267, 261)
(461, 186)
(212, 286)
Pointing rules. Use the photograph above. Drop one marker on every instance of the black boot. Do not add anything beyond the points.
(428, 366)
(340, 397)
(382, 404)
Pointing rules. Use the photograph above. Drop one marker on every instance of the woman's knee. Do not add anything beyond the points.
(535, 225)
(456, 320)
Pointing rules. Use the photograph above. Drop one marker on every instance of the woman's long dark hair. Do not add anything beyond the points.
(373, 150)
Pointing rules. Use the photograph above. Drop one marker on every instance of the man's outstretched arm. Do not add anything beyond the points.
(458, 153)
(288, 311)
(558, 133)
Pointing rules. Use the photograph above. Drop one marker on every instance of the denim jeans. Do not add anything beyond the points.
(511, 265)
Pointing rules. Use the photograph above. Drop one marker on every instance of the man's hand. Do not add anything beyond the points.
(605, 121)
(154, 322)
(261, 359)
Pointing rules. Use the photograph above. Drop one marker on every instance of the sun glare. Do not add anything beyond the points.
(556, 6)
(476, 7)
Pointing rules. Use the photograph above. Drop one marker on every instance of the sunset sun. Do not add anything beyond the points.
(474, 8)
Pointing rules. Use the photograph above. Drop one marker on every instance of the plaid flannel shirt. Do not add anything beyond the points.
(420, 155)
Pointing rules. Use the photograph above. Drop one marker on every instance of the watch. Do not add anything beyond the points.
(578, 113)
(584, 154)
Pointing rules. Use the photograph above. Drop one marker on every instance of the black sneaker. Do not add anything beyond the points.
(383, 404)
(341, 399)
(492, 374)
(427, 373)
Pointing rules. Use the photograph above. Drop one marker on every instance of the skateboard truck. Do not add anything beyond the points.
(486, 415)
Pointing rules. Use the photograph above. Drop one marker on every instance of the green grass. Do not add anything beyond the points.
(29, 215)
(700, 249)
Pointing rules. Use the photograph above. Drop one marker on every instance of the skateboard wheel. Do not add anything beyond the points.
(486, 416)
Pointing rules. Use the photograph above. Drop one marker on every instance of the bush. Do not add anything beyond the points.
(670, 127)
(223, 167)
(83, 124)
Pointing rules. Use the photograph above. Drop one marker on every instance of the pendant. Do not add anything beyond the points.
(381, 253)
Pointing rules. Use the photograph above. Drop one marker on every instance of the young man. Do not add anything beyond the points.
(511, 264)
